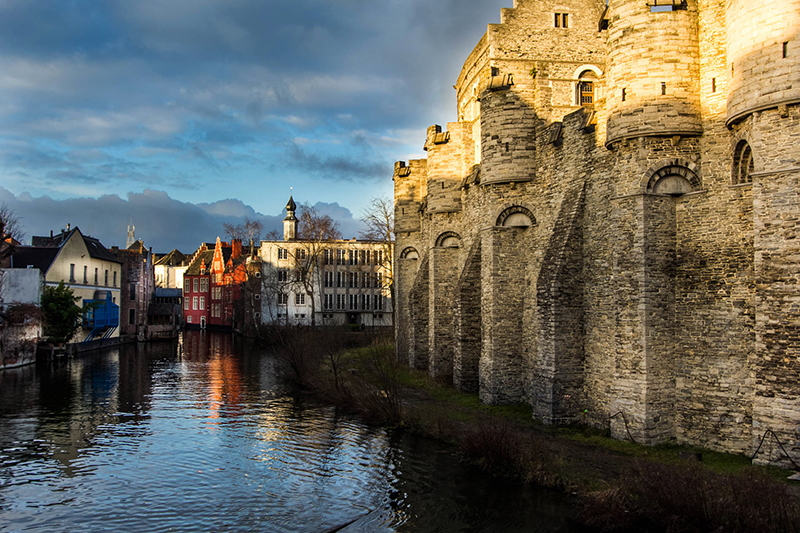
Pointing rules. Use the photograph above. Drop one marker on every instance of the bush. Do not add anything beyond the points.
(693, 499)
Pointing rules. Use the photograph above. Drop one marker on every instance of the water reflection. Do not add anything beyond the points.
(202, 435)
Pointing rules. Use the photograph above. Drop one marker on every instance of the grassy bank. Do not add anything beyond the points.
(622, 486)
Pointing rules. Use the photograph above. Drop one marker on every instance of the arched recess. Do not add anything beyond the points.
(516, 216)
(448, 239)
(409, 253)
(586, 89)
(743, 164)
(673, 178)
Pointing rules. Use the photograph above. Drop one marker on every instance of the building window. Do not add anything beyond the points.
(340, 301)
(95, 276)
(195, 285)
(663, 88)
(785, 49)
(189, 319)
(743, 165)
(283, 299)
(352, 280)
(301, 254)
(186, 287)
(72, 271)
(194, 303)
(106, 278)
(283, 274)
(131, 316)
(378, 280)
(186, 304)
(378, 300)
(365, 302)
(85, 274)
(585, 88)
(202, 303)
(132, 292)
(283, 253)
(328, 279)
(204, 285)
(353, 302)
(328, 304)
(561, 20)
(300, 299)
(115, 278)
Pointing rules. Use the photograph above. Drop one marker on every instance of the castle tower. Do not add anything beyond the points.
(290, 222)
(410, 187)
(653, 84)
(655, 123)
(763, 113)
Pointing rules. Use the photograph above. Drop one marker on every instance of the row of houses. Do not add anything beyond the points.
(132, 294)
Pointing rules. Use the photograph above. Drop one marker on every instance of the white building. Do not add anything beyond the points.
(20, 324)
(336, 281)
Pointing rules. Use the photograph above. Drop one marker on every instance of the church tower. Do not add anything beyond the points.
(290, 222)
(131, 237)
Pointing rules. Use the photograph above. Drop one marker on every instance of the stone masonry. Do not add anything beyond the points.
(609, 232)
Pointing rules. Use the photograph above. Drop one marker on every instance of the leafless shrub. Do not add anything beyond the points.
(677, 498)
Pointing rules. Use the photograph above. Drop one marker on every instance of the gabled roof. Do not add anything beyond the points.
(174, 258)
(95, 248)
(35, 256)
(194, 268)
(138, 247)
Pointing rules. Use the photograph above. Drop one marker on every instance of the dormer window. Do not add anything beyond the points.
(561, 20)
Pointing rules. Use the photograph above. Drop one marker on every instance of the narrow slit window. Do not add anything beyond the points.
(786, 49)
(713, 85)
(663, 87)
(624, 94)
(558, 20)
(564, 20)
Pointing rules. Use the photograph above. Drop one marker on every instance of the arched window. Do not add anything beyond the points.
(516, 216)
(448, 239)
(674, 180)
(743, 165)
(585, 88)
(409, 253)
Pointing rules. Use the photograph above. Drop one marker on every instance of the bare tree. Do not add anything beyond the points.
(378, 217)
(10, 232)
(250, 229)
(315, 234)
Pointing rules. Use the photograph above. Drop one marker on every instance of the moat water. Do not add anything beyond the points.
(203, 435)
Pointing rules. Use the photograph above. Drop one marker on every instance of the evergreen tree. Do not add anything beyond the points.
(60, 313)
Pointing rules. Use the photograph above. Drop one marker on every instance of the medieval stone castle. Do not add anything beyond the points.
(611, 230)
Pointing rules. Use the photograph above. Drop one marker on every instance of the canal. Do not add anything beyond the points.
(203, 435)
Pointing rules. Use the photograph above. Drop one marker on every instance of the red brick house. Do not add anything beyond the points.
(218, 290)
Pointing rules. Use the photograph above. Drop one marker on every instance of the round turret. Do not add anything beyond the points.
(653, 80)
(763, 55)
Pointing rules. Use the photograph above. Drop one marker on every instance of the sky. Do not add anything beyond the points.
(180, 115)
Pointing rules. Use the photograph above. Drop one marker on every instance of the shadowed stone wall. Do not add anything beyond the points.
(624, 195)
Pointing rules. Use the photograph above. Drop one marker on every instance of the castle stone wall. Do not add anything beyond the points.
(628, 264)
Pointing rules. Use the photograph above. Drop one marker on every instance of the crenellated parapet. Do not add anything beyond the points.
(410, 188)
(446, 166)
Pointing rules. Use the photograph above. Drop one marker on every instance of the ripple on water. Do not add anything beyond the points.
(210, 441)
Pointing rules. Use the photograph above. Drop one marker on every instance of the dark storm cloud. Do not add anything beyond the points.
(338, 167)
(177, 94)
(161, 221)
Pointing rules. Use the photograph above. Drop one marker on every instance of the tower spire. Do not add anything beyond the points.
(290, 222)
(131, 237)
